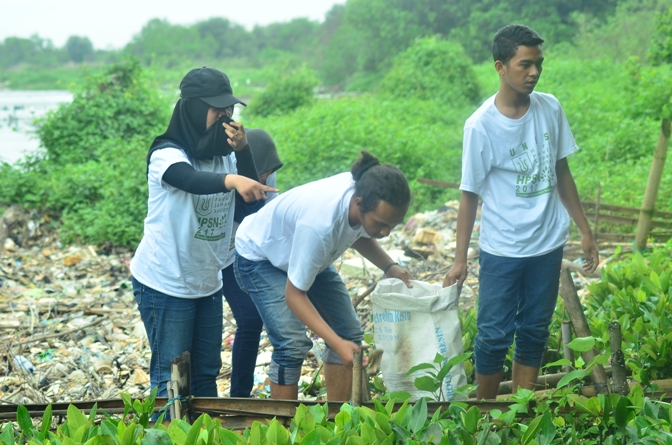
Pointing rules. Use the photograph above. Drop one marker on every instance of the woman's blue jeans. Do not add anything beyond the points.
(175, 325)
(248, 332)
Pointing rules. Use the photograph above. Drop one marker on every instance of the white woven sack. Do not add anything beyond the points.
(411, 326)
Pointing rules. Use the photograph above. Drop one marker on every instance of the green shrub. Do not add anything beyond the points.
(422, 138)
(432, 69)
(93, 175)
(660, 50)
(117, 104)
(287, 92)
(636, 292)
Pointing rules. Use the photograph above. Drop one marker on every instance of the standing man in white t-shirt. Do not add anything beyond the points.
(514, 156)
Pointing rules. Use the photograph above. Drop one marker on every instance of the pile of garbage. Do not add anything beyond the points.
(70, 329)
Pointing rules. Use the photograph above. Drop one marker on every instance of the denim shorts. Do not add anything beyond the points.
(516, 296)
(265, 284)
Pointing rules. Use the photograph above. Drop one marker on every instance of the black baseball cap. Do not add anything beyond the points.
(211, 86)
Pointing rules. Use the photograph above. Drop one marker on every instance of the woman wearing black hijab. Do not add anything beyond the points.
(191, 170)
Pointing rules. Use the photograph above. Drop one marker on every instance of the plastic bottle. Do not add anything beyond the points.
(22, 363)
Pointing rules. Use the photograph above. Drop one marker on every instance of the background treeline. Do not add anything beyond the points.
(355, 44)
(613, 77)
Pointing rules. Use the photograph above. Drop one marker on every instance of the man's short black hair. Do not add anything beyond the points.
(509, 38)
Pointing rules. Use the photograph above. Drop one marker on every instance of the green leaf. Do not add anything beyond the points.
(418, 415)
(46, 421)
(379, 406)
(156, 437)
(312, 438)
(25, 422)
(79, 435)
(621, 412)
(426, 383)
(276, 433)
(432, 434)
(576, 374)
(177, 434)
(582, 344)
(76, 418)
(636, 396)
(107, 427)
(445, 369)
(92, 414)
(585, 404)
(548, 431)
(128, 401)
(467, 439)
(561, 362)
(342, 419)
(421, 367)
(368, 433)
(532, 430)
(228, 437)
(7, 435)
(402, 416)
(129, 434)
(383, 422)
(194, 431)
(471, 419)
(318, 414)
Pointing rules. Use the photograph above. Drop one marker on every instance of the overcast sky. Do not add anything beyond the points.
(112, 24)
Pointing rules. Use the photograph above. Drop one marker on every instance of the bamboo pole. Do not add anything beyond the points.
(656, 172)
(174, 409)
(180, 375)
(597, 211)
(356, 398)
(581, 329)
(566, 338)
(619, 382)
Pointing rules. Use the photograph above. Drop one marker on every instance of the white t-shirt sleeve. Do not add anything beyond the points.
(566, 143)
(306, 257)
(476, 160)
(161, 160)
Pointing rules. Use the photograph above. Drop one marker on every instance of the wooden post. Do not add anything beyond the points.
(566, 338)
(175, 410)
(180, 376)
(357, 379)
(656, 172)
(619, 381)
(597, 211)
(581, 329)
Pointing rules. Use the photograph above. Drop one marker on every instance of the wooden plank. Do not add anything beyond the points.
(630, 221)
(588, 205)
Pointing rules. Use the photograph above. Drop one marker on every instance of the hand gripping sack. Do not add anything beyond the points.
(411, 326)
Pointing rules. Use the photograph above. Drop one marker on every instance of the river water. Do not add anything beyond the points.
(18, 110)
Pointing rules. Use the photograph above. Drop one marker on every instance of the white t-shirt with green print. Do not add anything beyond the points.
(511, 164)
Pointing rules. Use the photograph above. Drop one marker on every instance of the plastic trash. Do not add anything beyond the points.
(22, 363)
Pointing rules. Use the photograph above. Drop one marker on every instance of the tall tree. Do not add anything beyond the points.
(230, 39)
(168, 44)
(79, 49)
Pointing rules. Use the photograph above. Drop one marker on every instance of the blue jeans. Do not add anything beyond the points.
(248, 333)
(516, 296)
(266, 285)
(175, 325)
